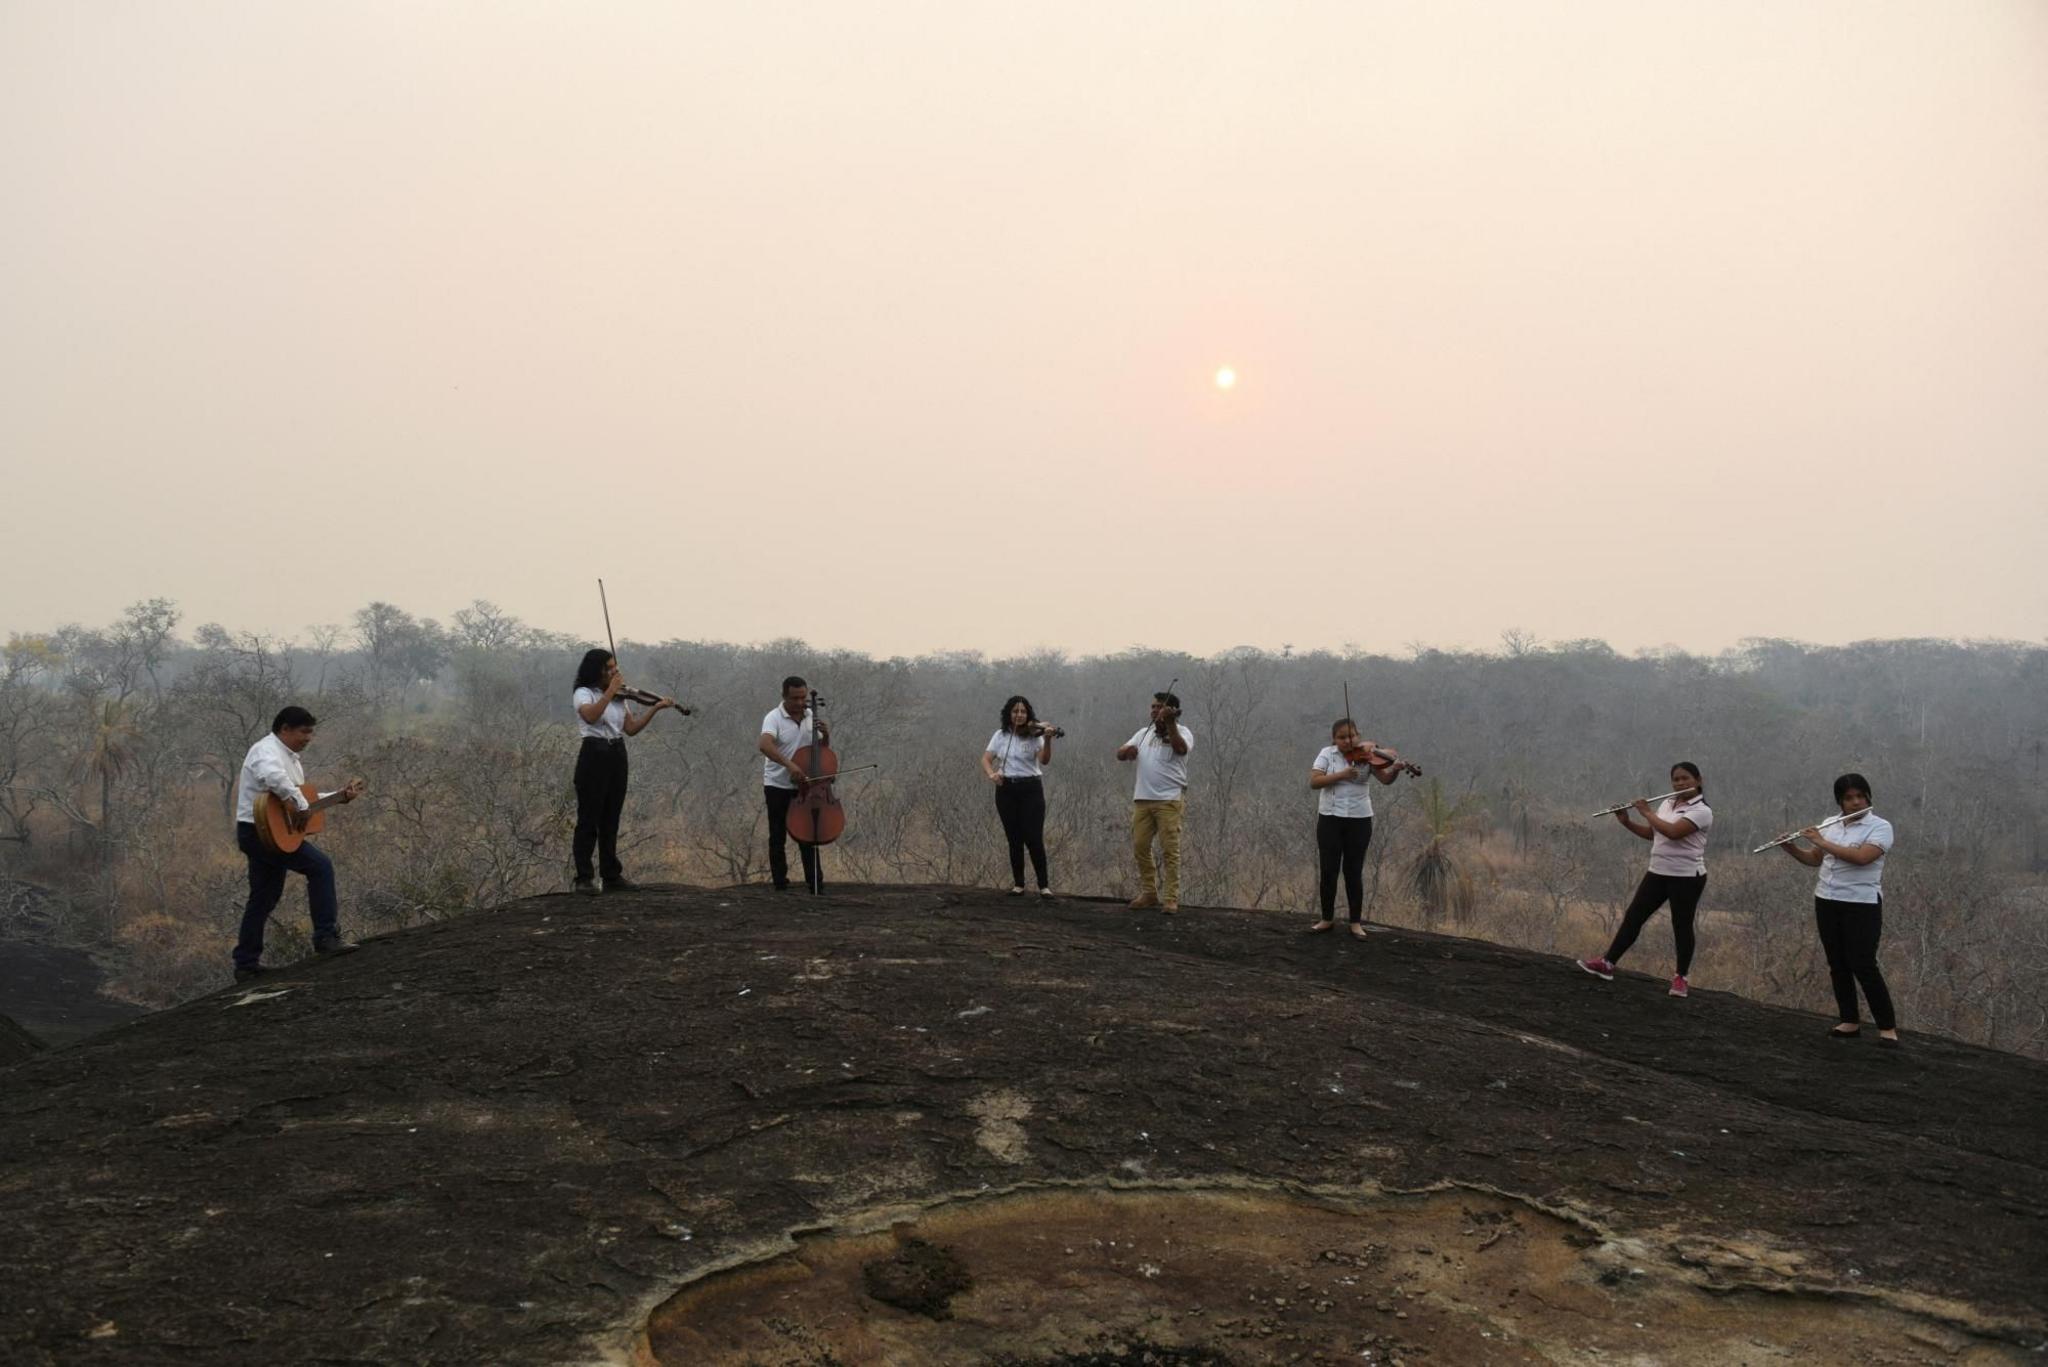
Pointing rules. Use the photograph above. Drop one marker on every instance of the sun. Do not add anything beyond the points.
(1226, 378)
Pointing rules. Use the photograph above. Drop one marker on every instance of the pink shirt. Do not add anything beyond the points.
(1685, 857)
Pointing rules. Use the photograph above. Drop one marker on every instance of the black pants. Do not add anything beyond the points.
(1653, 892)
(1020, 804)
(600, 797)
(1341, 842)
(1849, 932)
(778, 840)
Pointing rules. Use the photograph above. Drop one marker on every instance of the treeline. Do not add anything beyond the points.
(120, 745)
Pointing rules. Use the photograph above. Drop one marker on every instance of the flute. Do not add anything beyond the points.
(1624, 806)
(1791, 836)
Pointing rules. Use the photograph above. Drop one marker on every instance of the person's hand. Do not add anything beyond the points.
(353, 791)
(1622, 816)
(665, 702)
(1642, 806)
(996, 779)
(1812, 835)
(1348, 774)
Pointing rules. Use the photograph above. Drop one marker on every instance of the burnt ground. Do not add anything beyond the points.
(54, 992)
(632, 1129)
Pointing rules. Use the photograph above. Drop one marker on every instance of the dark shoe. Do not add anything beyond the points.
(621, 884)
(334, 944)
(585, 886)
(244, 975)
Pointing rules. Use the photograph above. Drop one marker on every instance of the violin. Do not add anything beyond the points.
(646, 699)
(1045, 729)
(815, 816)
(1380, 759)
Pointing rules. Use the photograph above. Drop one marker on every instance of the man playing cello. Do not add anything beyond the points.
(787, 729)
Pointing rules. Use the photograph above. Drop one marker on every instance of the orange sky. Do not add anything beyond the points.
(894, 325)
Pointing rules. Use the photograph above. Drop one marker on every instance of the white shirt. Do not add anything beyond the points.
(271, 767)
(610, 724)
(1841, 881)
(1016, 756)
(1685, 857)
(790, 736)
(1162, 775)
(1350, 798)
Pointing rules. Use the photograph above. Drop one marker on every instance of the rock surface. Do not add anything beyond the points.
(16, 1043)
(569, 1130)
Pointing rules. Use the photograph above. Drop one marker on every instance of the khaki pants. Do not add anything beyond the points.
(1150, 818)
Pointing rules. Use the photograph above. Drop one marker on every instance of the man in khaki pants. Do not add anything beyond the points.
(1161, 750)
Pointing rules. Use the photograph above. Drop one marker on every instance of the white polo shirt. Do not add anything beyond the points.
(1685, 857)
(1350, 798)
(610, 724)
(1841, 881)
(1162, 775)
(790, 737)
(1016, 756)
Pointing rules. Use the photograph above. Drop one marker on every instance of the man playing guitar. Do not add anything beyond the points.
(272, 767)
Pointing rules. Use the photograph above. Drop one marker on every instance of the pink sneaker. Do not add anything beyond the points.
(1599, 968)
(1678, 984)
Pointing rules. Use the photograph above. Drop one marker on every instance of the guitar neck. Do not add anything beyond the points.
(325, 800)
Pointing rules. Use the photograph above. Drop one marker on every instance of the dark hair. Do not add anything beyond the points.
(794, 681)
(1694, 770)
(1170, 699)
(292, 716)
(1340, 724)
(1851, 783)
(590, 673)
(1030, 713)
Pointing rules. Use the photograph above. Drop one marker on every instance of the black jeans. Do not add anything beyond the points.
(1341, 842)
(778, 841)
(600, 797)
(1849, 932)
(266, 886)
(1020, 805)
(1653, 892)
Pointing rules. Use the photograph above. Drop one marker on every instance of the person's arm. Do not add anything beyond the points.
(1810, 858)
(768, 747)
(1179, 740)
(1678, 828)
(1129, 749)
(1387, 773)
(1045, 748)
(1640, 832)
(593, 711)
(275, 779)
(1324, 778)
(988, 767)
(635, 721)
(1858, 855)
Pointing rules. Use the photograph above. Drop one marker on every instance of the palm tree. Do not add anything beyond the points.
(1440, 881)
(112, 737)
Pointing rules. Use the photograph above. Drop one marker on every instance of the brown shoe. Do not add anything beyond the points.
(1169, 907)
(1142, 901)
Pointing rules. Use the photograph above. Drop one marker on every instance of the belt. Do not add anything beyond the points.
(604, 740)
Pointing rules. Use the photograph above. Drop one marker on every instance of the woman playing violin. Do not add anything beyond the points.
(1015, 763)
(603, 721)
(1344, 816)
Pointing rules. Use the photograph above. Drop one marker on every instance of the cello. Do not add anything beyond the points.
(815, 816)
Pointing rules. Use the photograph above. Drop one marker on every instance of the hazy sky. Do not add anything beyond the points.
(894, 325)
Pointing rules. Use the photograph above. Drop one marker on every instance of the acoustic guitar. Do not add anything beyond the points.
(281, 828)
